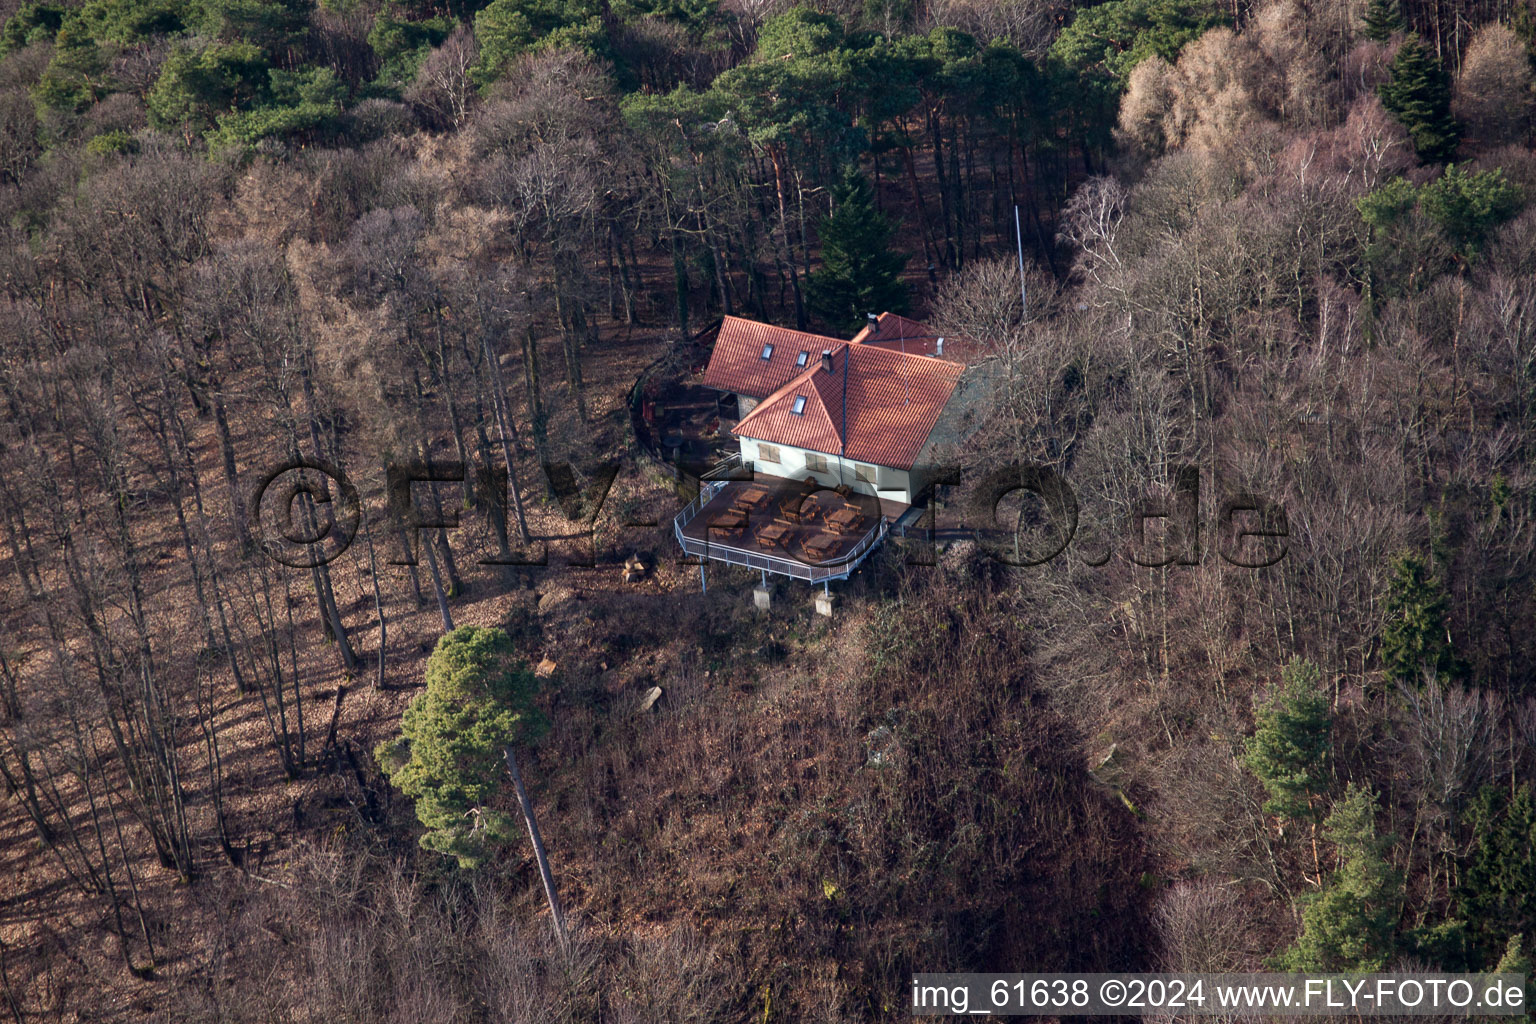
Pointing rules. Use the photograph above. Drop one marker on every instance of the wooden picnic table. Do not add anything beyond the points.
(770, 535)
(820, 546)
(795, 508)
(731, 521)
(751, 498)
(844, 519)
(815, 504)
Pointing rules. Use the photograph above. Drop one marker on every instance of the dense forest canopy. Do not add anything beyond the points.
(1289, 246)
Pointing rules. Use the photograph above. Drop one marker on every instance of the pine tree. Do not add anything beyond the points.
(1467, 207)
(1382, 19)
(77, 76)
(479, 699)
(1416, 636)
(1351, 925)
(1419, 95)
(859, 272)
(1289, 750)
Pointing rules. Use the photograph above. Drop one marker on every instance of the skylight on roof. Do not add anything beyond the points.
(802, 358)
(767, 351)
(799, 407)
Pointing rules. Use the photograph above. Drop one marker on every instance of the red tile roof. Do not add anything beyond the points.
(892, 402)
(903, 334)
(737, 363)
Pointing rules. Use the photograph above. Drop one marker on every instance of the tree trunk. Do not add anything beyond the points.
(929, 251)
(538, 852)
(789, 251)
(378, 602)
(231, 476)
(535, 394)
(568, 312)
(437, 588)
(507, 433)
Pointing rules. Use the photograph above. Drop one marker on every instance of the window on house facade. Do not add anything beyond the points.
(864, 474)
(799, 407)
(767, 453)
(815, 463)
(767, 351)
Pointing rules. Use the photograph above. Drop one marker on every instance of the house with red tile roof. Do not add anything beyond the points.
(862, 414)
(842, 440)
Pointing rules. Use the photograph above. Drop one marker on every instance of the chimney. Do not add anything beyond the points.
(826, 360)
(939, 348)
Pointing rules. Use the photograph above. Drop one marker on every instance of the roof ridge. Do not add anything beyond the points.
(776, 327)
(910, 355)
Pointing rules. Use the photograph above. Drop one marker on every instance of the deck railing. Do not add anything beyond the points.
(814, 572)
(707, 491)
(727, 468)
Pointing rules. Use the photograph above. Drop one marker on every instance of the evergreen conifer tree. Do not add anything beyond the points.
(1467, 207)
(1516, 961)
(479, 699)
(1289, 750)
(1416, 635)
(859, 272)
(1497, 891)
(1418, 94)
(1382, 18)
(1351, 925)
(76, 77)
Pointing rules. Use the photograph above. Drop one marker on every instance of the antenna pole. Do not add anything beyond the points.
(1019, 238)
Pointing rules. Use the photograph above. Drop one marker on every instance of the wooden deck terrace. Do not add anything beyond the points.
(784, 526)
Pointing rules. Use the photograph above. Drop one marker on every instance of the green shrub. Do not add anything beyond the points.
(245, 129)
(1290, 749)
(117, 141)
(1467, 207)
(274, 25)
(129, 21)
(197, 86)
(1418, 94)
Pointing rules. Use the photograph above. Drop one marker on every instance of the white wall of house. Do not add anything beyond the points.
(890, 483)
(959, 419)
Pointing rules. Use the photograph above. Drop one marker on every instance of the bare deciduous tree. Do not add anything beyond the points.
(1493, 96)
(443, 90)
